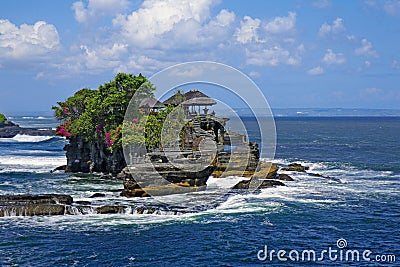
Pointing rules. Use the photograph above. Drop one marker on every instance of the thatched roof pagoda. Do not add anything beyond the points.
(193, 98)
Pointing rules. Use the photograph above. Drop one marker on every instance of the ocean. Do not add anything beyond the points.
(352, 209)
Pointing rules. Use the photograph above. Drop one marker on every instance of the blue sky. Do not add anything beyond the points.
(300, 53)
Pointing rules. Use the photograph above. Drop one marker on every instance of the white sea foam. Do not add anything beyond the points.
(30, 138)
(30, 163)
(26, 138)
(224, 183)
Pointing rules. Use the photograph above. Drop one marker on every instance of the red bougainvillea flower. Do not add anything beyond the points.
(98, 128)
(62, 131)
(109, 141)
(65, 109)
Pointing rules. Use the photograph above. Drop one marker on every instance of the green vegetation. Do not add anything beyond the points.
(98, 115)
(149, 130)
(3, 119)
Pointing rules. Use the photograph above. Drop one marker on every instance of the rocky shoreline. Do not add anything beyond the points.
(60, 204)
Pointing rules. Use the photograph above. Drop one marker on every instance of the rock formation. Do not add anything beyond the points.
(8, 129)
(91, 156)
(29, 205)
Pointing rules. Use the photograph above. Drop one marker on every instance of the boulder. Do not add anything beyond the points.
(295, 167)
(60, 168)
(270, 183)
(242, 185)
(318, 175)
(264, 184)
(266, 170)
(284, 177)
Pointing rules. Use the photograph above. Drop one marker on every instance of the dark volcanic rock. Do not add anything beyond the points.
(270, 183)
(110, 209)
(92, 156)
(318, 175)
(27, 199)
(242, 185)
(284, 177)
(264, 184)
(10, 130)
(82, 209)
(30, 205)
(60, 168)
(32, 210)
(295, 167)
(97, 195)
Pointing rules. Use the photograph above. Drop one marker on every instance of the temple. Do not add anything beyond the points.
(207, 149)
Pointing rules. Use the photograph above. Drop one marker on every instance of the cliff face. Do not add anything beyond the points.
(91, 156)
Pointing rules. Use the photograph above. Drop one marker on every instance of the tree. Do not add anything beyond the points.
(97, 115)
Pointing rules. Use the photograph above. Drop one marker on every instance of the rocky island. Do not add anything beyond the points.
(93, 122)
(8, 129)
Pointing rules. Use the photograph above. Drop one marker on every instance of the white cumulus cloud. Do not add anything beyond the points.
(248, 30)
(27, 41)
(148, 26)
(365, 49)
(281, 24)
(103, 56)
(316, 71)
(326, 29)
(333, 58)
(273, 56)
(98, 8)
(392, 7)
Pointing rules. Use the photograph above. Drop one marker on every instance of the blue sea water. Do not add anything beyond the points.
(358, 200)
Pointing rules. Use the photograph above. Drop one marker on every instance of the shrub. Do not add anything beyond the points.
(3, 119)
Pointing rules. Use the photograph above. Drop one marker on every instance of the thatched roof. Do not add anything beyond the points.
(151, 102)
(175, 100)
(200, 101)
(191, 98)
(195, 94)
